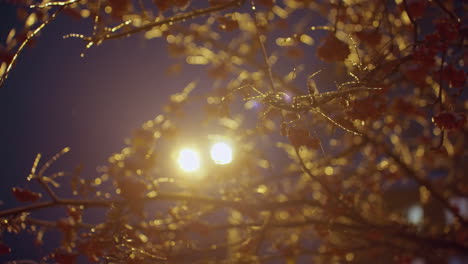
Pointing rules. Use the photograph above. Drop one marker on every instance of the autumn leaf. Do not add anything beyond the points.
(24, 195)
(369, 37)
(120, 7)
(91, 249)
(416, 8)
(447, 29)
(4, 249)
(162, 5)
(131, 188)
(332, 49)
(65, 258)
(366, 108)
(300, 137)
(5, 56)
(227, 24)
(450, 120)
(266, 3)
(456, 77)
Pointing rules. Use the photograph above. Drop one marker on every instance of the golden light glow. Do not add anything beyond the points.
(188, 160)
(221, 153)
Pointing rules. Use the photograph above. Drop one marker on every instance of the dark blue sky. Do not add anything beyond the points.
(53, 99)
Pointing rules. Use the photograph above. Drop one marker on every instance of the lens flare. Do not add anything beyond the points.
(221, 153)
(188, 160)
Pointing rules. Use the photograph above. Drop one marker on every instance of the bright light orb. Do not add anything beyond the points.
(415, 214)
(189, 160)
(221, 153)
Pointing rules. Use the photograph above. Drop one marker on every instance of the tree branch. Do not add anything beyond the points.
(182, 197)
(412, 174)
(174, 19)
(4, 76)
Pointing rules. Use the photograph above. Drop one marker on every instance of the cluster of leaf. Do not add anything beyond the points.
(327, 184)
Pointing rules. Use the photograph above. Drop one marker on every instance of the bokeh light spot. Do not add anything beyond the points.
(221, 153)
(189, 160)
(415, 214)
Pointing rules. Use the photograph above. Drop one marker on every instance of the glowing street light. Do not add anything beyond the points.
(221, 153)
(188, 160)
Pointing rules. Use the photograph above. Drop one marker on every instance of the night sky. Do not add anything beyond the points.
(53, 99)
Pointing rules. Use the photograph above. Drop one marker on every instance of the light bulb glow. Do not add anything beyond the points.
(221, 153)
(415, 214)
(188, 160)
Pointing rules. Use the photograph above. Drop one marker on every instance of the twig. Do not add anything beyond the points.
(343, 227)
(53, 224)
(330, 193)
(338, 10)
(58, 203)
(413, 22)
(40, 175)
(264, 229)
(439, 100)
(25, 42)
(262, 46)
(238, 205)
(176, 18)
(452, 15)
(233, 52)
(418, 179)
(439, 97)
(58, 3)
(48, 189)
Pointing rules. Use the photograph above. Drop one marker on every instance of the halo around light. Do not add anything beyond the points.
(188, 160)
(221, 153)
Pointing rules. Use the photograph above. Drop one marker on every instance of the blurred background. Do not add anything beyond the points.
(54, 98)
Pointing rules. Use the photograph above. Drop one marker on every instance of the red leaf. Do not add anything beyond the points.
(416, 8)
(267, 3)
(91, 249)
(162, 5)
(65, 258)
(120, 7)
(417, 74)
(450, 120)
(455, 77)
(4, 249)
(24, 195)
(301, 137)
(227, 24)
(447, 29)
(5, 56)
(367, 108)
(369, 37)
(131, 188)
(332, 49)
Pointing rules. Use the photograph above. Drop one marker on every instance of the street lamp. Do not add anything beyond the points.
(188, 160)
(221, 153)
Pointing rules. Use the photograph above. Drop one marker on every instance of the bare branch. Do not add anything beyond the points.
(25, 42)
